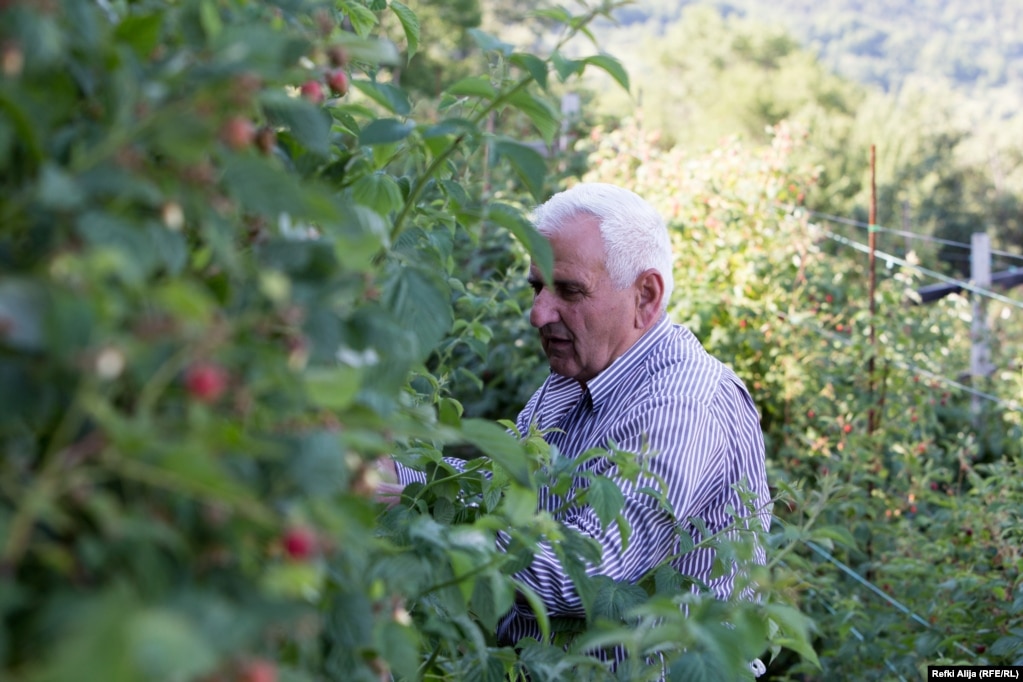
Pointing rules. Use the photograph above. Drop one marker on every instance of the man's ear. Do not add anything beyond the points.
(649, 297)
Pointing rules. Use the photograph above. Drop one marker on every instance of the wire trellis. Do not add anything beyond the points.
(895, 260)
(902, 233)
(1009, 406)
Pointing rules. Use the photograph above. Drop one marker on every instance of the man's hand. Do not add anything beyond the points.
(388, 490)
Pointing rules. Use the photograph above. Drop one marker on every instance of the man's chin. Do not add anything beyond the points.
(562, 366)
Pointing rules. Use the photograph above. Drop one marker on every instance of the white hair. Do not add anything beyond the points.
(635, 235)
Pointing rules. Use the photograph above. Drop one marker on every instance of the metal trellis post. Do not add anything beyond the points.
(980, 353)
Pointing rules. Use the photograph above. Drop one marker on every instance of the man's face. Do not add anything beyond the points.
(584, 323)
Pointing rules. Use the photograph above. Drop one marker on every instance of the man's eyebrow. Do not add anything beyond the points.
(558, 283)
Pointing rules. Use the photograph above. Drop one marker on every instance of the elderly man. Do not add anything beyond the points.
(623, 374)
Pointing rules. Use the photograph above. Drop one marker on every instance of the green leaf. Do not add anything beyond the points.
(209, 18)
(449, 412)
(293, 580)
(166, 646)
(614, 599)
(612, 66)
(378, 191)
(605, 498)
(131, 249)
(696, 666)
(257, 46)
(503, 448)
(473, 86)
(310, 124)
(795, 628)
(668, 580)
(565, 67)
(536, 67)
(59, 190)
(362, 18)
(170, 248)
(22, 306)
(400, 646)
(261, 186)
(90, 644)
(1007, 646)
(186, 301)
(183, 136)
(358, 235)
(332, 387)
(410, 24)
(386, 131)
(538, 246)
(839, 534)
(420, 301)
(317, 464)
(536, 604)
(558, 14)
(519, 505)
(492, 596)
(528, 164)
(192, 468)
(539, 112)
(300, 259)
(490, 43)
(141, 32)
(369, 50)
(386, 95)
(438, 137)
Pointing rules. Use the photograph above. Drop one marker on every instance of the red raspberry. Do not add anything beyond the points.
(206, 381)
(299, 543)
(258, 670)
(313, 91)
(337, 80)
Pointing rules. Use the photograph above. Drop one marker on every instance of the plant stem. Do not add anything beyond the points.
(497, 102)
(43, 488)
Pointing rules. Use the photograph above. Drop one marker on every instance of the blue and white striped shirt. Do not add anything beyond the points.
(691, 417)
(667, 400)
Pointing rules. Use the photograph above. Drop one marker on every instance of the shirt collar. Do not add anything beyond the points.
(603, 385)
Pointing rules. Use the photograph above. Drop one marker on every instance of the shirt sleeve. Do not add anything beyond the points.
(407, 475)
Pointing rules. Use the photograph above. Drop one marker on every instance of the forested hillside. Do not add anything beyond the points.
(948, 165)
(973, 47)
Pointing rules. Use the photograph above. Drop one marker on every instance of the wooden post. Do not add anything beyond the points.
(980, 353)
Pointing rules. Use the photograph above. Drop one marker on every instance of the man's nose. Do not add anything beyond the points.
(544, 310)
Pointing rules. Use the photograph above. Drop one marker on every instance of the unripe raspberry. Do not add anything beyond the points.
(338, 55)
(266, 139)
(258, 670)
(238, 133)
